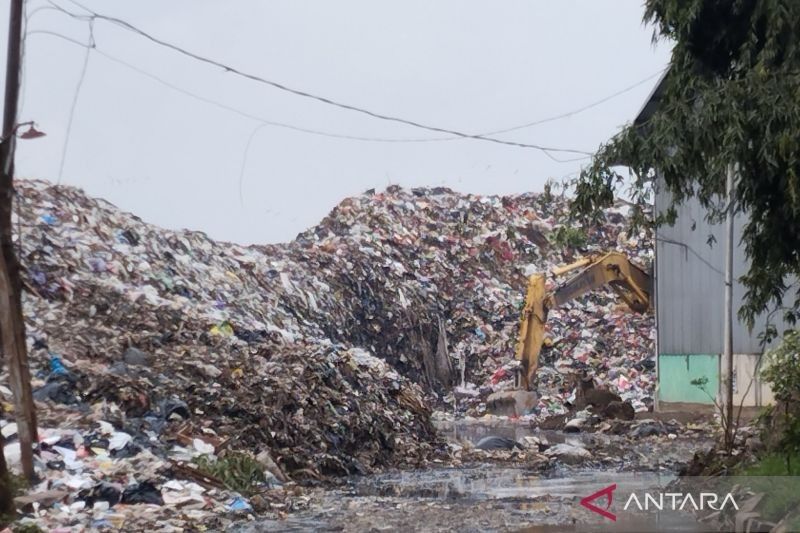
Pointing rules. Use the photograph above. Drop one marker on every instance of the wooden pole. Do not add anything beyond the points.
(12, 324)
(6, 488)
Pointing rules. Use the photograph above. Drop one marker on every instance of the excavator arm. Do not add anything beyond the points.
(630, 282)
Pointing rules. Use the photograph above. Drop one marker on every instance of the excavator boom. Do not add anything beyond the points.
(630, 282)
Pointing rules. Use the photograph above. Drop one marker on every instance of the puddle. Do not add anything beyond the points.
(481, 498)
(494, 482)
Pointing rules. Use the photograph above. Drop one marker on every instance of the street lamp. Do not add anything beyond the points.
(30, 133)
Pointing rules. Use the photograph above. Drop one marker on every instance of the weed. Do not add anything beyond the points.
(238, 471)
(773, 464)
(569, 237)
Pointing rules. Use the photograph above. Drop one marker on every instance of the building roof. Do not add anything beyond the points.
(653, 100)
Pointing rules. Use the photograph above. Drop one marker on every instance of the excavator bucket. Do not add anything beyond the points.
(531, 329)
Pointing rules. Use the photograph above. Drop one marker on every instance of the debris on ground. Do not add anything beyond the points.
(99, 478)
(497, 443)
(569, 454)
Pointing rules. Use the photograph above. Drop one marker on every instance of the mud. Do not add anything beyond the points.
(504, 492)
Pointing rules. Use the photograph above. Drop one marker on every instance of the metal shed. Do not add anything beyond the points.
(689, 285)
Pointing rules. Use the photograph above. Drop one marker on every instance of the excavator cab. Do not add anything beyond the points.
(631, 283)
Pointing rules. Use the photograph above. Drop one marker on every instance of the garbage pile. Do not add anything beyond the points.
(99, 478)
(326, 352)
(429, 280)
(433, 281)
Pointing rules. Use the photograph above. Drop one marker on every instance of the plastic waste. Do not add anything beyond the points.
(57, 367)
(239, 504)
(145, 492)
(49, 219)
(102, 492)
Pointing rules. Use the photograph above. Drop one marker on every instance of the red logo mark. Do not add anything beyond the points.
(608, 493)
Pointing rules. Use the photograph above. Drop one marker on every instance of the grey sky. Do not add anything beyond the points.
(469, 65)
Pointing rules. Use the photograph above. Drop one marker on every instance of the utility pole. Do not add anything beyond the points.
(12, 324)
(728, 325)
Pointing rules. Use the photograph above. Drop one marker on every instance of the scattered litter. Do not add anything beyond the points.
(567, 453)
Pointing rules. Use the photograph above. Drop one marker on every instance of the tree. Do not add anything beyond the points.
(732, 95)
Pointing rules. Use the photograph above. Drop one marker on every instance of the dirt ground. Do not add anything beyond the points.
(696, 413)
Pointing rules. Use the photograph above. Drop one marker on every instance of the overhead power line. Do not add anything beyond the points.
(257, 118)
(548, 151)
(522, 126)
(91, 46)
(74, 105)
(221, 105)
(568, 114)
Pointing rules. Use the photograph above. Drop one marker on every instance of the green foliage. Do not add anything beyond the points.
(13, 485)
(238, 471)
(569, 237)
(547, 196)
(732, 95)
(27, 528)
(18, 484)
(730, 425)
(702, 384)
(782, 369)
(783, 375)
(780, 503)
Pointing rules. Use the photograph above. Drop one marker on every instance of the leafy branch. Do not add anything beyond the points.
(732, 95)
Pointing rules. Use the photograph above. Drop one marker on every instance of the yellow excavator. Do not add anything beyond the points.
(629, 281)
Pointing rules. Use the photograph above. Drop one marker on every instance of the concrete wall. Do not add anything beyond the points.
(747, 383)
(677, 371)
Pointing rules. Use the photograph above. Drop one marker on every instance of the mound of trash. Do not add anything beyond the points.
(321, 355)
(433, 281)
(429, 280)
(169, 335)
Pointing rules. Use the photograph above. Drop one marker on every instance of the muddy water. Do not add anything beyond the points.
(492, 482)
(491, 497)
(481, 498)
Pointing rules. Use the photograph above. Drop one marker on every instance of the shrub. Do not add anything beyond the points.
(782, 372)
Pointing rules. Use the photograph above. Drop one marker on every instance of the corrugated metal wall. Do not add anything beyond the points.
(689, 285)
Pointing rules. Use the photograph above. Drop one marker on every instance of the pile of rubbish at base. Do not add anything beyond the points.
(640, 445)
(323, 352)
(101, 478)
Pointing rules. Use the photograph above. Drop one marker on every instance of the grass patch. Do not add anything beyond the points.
(780, 502)
(238, 471)
(773, 464)
(16, 485)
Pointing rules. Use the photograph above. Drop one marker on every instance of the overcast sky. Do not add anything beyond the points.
(473, 66)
